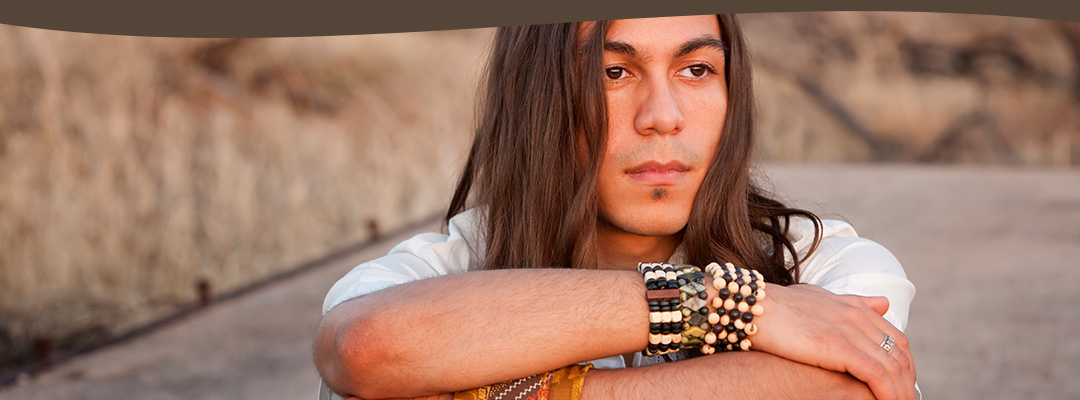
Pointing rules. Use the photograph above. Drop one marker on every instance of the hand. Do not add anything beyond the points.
(840, 333)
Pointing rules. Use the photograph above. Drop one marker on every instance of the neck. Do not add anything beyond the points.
(618, 249)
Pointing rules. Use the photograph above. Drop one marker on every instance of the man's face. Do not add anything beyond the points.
(666, 103)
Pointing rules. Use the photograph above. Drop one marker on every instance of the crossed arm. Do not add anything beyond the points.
(461, 331)
(738, 376)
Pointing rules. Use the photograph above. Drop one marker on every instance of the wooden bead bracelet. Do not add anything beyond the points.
(739, 290)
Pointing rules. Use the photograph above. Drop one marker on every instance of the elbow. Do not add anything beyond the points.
(349, 352)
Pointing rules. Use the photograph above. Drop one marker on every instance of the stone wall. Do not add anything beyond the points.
(139, 174)
(917, 87)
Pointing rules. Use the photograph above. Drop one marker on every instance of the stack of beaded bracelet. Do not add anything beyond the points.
(736, 305)
(665, 321)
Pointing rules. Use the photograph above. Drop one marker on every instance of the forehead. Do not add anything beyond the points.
(662, 33)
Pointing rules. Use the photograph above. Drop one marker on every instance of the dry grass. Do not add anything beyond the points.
(133, 167)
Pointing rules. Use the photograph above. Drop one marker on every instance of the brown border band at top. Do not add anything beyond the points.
(277, 18)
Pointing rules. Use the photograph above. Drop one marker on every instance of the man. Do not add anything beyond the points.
(602, 145)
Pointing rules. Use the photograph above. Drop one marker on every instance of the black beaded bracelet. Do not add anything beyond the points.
(662, 294)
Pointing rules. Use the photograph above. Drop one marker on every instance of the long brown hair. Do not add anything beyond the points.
(540, 140)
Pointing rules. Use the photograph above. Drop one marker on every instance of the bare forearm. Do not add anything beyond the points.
(468, 330)
(735, 375)
(739, 375)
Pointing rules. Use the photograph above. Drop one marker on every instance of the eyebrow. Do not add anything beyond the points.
(689, 47)
(621, 48)
(700, 43)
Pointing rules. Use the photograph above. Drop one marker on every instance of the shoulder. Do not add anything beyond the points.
(845, 263)
(840, 247)
(422, 256)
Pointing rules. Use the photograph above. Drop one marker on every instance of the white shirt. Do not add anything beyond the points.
(843, 263)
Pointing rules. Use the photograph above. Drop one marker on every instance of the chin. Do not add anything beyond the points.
(645, 211)
(658, 230)
(651, 221)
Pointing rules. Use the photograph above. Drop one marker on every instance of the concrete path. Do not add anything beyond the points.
(993, 253)
(257, 346)
(994, 256)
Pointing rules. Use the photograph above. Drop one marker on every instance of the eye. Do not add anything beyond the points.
(696, 71)
(614, 73)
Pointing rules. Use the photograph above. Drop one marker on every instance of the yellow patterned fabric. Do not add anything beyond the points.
(561, 384)
(566, 383)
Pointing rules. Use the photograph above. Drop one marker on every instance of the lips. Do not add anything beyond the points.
(655, 173)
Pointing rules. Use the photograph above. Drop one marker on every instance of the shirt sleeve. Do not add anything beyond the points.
(423, 256)
(847, 264)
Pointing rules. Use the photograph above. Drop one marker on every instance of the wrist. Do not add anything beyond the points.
(769, 333)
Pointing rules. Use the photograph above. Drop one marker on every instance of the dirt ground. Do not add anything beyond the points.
(991, 252)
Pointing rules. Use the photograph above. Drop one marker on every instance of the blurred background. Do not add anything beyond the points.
(142, 178)
(135, 170)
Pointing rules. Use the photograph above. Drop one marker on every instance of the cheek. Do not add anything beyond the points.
(608, 180)
(620, 111)
(709, 116)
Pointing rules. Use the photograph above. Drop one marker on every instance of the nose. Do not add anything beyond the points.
(659, 113)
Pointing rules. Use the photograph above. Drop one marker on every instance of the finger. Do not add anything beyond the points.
(896, 364)
(871, 368)
(901, 352)
(880, 304)
(897, 370)
(874, 328)
(861, 317)
(865, 359)
(902, 348)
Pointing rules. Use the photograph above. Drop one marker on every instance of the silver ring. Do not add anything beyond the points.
(888, 343)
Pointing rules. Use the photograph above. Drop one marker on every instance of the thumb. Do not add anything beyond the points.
(880, 304)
